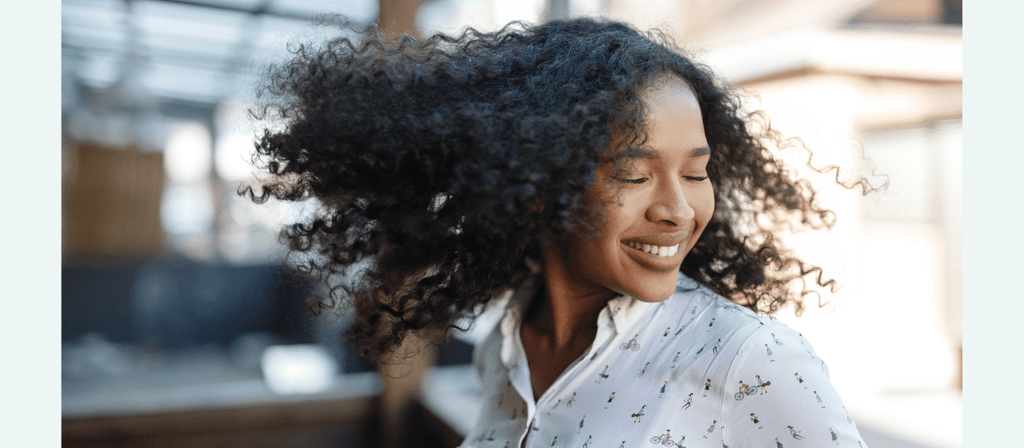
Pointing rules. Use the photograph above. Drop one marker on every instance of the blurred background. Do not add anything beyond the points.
(182, 326)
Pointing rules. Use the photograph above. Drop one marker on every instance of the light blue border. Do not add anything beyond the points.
(30, 216)
(993, 217)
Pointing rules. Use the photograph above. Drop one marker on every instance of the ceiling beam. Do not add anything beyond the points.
(262, 9)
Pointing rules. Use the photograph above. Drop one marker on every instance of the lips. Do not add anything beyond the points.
(659, 252)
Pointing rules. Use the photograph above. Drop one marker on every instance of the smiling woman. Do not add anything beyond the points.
(657, 214)
(610, 182)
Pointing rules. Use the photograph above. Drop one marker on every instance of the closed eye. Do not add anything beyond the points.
(696, 178)
(631, 181)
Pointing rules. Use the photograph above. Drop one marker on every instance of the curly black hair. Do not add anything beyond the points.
(442, 165)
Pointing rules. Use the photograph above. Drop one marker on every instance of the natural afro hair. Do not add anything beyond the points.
(441, 165)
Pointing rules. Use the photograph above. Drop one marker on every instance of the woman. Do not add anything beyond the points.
(607, 180)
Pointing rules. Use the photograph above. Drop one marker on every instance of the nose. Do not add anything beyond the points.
(669, 205)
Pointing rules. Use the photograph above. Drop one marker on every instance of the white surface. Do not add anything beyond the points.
(932, 419)
(138, 397)
(299, 368)
(871, 52)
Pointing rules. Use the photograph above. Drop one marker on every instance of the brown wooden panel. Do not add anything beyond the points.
(349, 423)
(112, 202)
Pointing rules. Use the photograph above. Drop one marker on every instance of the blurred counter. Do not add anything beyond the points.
(223, 409)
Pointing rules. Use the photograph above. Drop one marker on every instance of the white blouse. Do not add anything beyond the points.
(695, 370)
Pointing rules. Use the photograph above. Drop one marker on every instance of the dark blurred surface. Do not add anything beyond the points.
(179, 304)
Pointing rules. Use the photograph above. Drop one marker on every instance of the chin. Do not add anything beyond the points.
(658, 293)
(654, 298)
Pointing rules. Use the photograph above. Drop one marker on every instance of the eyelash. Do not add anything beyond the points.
(632, 181)
(644, 179)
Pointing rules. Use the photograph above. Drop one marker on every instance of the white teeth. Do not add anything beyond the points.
(661, 251)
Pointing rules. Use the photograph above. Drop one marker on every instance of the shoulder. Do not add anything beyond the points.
(745, 340)
(698, 305)
(775, 355)
(704, 305)
(776, 377)
(716, 336)
(768, 344)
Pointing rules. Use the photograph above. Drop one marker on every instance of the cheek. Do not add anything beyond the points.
(703, 208)
(707, 207)
(617, 214)
(617, 220)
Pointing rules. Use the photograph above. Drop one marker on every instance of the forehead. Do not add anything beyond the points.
(673, 120)
(669, 110)
(669, 98)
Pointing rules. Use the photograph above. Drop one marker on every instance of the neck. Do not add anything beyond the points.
(564, 311)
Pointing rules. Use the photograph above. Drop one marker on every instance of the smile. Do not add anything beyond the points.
(661, 251)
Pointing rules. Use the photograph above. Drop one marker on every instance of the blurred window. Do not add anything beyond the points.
(233, 156)
(904, 156)
(186, 209)
(923, 164)
(187, 153)
(188, 206)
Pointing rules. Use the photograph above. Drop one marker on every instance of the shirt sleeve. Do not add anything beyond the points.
(777, 393)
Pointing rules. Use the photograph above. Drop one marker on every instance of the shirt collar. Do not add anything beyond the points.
(621, 312)
(625, 311)
(512, 319)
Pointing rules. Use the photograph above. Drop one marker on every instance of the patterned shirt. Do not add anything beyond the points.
(695, 370)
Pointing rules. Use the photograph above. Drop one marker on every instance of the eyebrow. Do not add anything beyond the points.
(650, 153)
(700, 151)
(647, 153)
